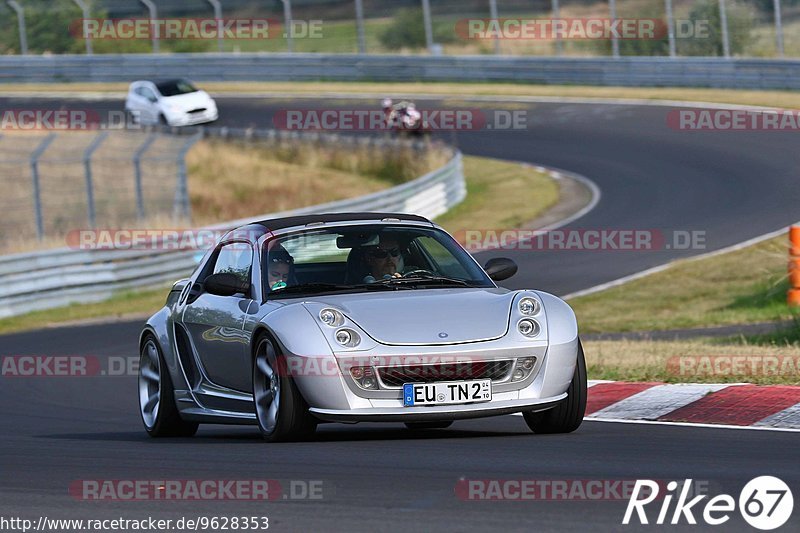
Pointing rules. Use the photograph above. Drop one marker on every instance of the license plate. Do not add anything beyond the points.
(447, 392)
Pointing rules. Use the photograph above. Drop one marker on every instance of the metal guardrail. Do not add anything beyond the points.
(54, 278)
(624, 71)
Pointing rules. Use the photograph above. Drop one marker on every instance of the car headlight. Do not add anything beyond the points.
(331, 317)
(365, 377)
(529, 327)
(523, 368)
(529, 306)
(347, 338)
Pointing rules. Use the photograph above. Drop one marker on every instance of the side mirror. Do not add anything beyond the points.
(500, 268)
(225, 284)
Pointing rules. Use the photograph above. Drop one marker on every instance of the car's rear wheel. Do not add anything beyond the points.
(281, 412)
(429, 425)
(157, 407)
(567, 415)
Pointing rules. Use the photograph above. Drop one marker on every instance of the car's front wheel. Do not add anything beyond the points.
(281, 412)
(567, 416)
(157, 397)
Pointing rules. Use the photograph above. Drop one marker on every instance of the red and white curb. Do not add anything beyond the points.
(739, 405)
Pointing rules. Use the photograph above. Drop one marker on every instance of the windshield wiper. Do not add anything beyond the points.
(318, 288)
(310, 288)
(427, 278)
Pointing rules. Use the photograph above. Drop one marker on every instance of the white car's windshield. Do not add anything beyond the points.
(175, 87)
(364, 258)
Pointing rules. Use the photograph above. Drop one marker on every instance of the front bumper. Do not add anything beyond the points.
(190, 119)
(435, 413)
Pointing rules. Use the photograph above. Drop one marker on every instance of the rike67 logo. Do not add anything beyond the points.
(765, 503)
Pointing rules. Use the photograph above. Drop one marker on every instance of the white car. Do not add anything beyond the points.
(175, 102)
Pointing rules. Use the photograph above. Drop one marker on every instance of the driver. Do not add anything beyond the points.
(384, 261)
(280, 268)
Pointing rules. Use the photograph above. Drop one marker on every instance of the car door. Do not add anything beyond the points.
(216, 323)
(147, 104)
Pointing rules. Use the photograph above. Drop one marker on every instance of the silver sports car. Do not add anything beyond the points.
(351, 317)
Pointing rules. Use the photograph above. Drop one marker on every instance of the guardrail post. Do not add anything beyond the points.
(494, 16)
(88, 40)
(612, 9)
(670, 27)
(151, 8)
(723, 23)
(87, 170)
(23, 35)
(426, 20)
(37, 191)
(362, 41)
(793, 297)
(776, 5)
(556, 8)
(287, 17)
(137, 173)
(218, 16)
(182, 209)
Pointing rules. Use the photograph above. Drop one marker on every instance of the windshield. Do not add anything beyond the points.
(175, 87)
(367, 258)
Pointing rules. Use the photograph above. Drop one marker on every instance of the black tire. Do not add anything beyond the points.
(294, 422)
(168, 421)
(162, 120)
(567, 416)
(428, 425)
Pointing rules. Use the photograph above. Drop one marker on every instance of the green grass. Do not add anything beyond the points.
(740, 287)
(499, 195)
(126, 304)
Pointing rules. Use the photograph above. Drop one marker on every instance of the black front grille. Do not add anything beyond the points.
(396, 376)
(198, 110)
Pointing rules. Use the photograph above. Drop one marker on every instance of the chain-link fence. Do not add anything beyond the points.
(747, 28)
(53, 182)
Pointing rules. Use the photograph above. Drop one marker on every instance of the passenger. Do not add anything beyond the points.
(279, 268)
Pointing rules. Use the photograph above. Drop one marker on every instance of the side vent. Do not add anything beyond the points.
(186, 357)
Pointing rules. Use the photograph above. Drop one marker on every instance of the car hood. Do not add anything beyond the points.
(189, 100)
(430, 316)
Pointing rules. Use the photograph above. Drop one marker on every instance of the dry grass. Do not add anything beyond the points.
(499, 195)
(227, 180)
(688, 361)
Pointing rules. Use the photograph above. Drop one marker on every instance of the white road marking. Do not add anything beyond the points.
(656, 401)
(789, 417)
